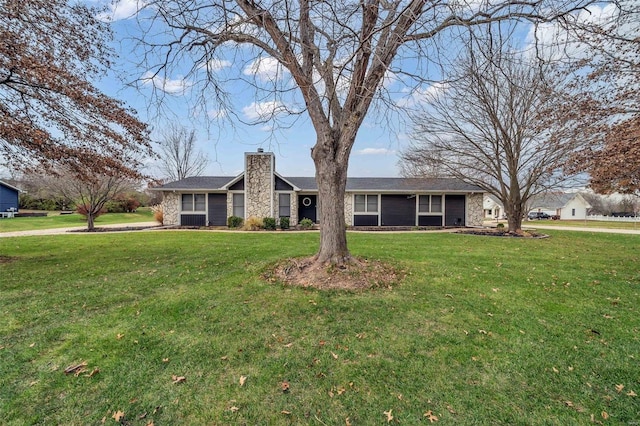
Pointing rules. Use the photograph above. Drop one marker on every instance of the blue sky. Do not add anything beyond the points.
(375, 151)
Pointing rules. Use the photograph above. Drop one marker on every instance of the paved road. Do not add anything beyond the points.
(57, 231)
(584, 229)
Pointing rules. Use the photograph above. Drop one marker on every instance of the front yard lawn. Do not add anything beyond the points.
(178, 328)
(56, 220)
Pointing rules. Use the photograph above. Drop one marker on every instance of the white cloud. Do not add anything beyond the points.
(374, 151)
(265, 69)
(262, 111)
(174, 87)
(216, 114)
(421, 96)
(216, 65)
(122, 9)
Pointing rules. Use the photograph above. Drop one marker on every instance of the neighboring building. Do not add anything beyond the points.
(8, 199)
(565, 206)
(493, 208)
(261, 192)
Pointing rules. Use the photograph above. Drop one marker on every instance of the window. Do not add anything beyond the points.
(194, 202)
(238, 205)
(284, 205)
(430, 204)
(573, 212)
(366, 203)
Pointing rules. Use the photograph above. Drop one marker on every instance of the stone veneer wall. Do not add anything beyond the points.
(475, 208)
(171, 208)
(258, 184)
(348, 209)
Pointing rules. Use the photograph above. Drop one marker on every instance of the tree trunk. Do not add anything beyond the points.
(90, 222)
(331, 177)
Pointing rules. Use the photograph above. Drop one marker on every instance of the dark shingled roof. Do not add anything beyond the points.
(353, 184)
(392, 184)
(197, 182)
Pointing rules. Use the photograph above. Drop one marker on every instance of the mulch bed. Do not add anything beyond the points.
(494, 232)
(358, 274)
(118, 229)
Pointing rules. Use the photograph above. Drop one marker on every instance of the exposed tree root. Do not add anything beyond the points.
(350, 274)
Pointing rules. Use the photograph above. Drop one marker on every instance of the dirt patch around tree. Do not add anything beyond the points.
(496, 232)
(357, 275)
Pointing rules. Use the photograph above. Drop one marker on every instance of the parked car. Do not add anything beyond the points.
(538, 216)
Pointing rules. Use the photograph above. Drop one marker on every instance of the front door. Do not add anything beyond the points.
(307, 205)
(217, 209)
(454, 211)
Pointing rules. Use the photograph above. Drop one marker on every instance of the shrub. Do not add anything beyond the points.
(234, 222)
(306, 223)
(269, 223)
(158, 213)
(500, 226)
(284, 223)
(252, 224)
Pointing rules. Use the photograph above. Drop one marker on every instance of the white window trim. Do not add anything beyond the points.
(430, 213)
(366, 204)
(193, 203)
(244, 203)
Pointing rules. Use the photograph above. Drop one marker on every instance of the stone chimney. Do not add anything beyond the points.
(259, 183)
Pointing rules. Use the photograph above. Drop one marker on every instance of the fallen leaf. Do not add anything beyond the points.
(288, 345)
(431, 417)
(117, 416)
(93, 373)
(284, 386)
(322, 343)
(451, 410)
(150, 424)
(334, 355)
(604, 415)
(285, 412)
(482, 331)
(119, 336)
(631, 393)
(347, 422)
(389, 416)
(555, 370)
(178, 379)
(234, 409)
(165, 359)
(224, 358)
(32, 345)
(75, 368)
(243, 379)
(619, 388)
(341, 390)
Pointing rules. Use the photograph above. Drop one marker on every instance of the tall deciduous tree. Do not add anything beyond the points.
(597, 54)
(50, 112)
(179, 156)
(334, 54)
(489, 127)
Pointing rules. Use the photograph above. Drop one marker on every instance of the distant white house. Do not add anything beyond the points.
(566, 206)
(493, 208)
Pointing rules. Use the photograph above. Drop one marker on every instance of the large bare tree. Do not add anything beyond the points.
(489, 125)
(50, 112)
(179, 156)
(598, 57)
(334, 54)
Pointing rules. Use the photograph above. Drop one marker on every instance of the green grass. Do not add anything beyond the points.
(482, 331)
(56, 220)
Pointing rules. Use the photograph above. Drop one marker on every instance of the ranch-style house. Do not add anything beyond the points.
(261, 192)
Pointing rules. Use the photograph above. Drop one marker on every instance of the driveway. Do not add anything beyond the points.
(584, 229)
(57, 231)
